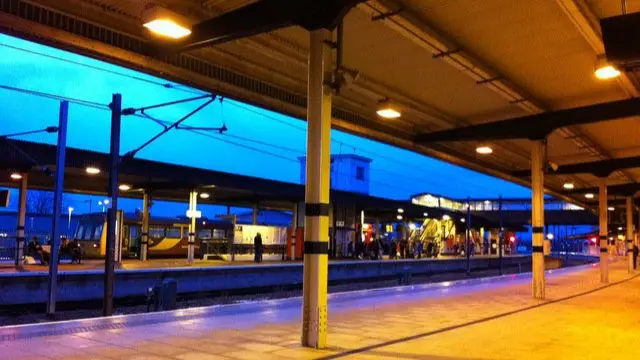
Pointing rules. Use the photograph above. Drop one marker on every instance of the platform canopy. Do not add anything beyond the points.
(444, 64)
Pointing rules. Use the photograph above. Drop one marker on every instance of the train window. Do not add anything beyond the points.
(87, 233)
(219, 234)
(204, 234)
(134, 232)
(97, 233)
(79, 232)
(156, 232)
(174, 232)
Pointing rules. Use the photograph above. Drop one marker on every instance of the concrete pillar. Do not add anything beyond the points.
(537, 218)
(315, 276)
(629, 238)
(604, 232)
(193, 200)
(144, 238)
(22, 212)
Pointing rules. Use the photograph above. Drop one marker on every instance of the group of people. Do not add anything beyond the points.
(413, 249)
(67, 249)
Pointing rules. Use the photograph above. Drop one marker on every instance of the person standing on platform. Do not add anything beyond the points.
(635, 256)
(257, 248)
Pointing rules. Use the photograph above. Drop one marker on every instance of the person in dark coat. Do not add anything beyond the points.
(257, 246)
(635, 256)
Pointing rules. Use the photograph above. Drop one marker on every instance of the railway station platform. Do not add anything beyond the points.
(492, 318)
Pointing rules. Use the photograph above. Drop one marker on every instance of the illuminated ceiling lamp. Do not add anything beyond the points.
(205, 195)
(446, 217)
(589, 195)
(92, 170)
(165, 23)
(611, 208)
(484, 149)
(124, 187)
(16, 176)
(568, 185)
(386, 109)
(605, 70)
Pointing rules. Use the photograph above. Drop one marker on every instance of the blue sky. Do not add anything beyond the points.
(259, 143)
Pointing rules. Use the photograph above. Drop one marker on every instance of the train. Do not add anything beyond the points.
(168, 237)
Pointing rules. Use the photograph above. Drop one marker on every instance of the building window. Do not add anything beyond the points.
(359, 173)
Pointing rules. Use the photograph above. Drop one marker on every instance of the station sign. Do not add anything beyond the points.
(194, 214)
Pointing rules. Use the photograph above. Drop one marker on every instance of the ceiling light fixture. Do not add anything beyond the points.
(204, 195)
(16, 176)
(484, 150)
(605, 70)
(568, 186)
(589, 195)
(388, 110)
(124, 187)
(611, 208)
(91, 170)
(165, 23)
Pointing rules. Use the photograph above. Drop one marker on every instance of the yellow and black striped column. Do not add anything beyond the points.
(191, 242)
(22, 212)
(537, 218)
(629, 237)
(316, 224)
(604, 232)
(144, 238)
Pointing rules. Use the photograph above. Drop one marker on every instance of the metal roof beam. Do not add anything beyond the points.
(602, 168)
(267, 15)
(537, 126)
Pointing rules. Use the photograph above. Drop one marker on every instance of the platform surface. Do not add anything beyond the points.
(473, 319)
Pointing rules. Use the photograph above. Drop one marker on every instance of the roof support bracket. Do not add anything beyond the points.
(446, 53)
(383, 16)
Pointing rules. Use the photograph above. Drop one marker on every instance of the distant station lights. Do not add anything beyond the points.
(388, 110)
(484, 150)
(549, 236)
(589, 195)
(568, 186)
(91, 170)
(605, 70)
(16, 176)
(165, 23)
(463, 220)
(446, 217)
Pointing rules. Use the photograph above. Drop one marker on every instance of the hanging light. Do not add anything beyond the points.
(568, 185)
(484, 149)
(16, 176)
(463, 220)
(388, 110)
(611, 208)
(205, 195)
(92, 170)
(589, 195)
(605, 70)
(399, 217)
(425, 214)
(165, 23)
(549, 236)
(446, 217)
(124, 187)
(400, 210)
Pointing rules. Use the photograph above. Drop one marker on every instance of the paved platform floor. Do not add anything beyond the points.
(471, 319)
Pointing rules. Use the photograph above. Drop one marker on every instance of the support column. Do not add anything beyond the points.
(144, 243)
(629, 238)
(193, 201)
(254, 219)
(537, 218)
(57, 208)
(604, 232)
(22, 212)
(500, 236)
(314, 311)
(114, 159)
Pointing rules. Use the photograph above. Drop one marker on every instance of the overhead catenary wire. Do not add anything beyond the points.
(193, 91)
